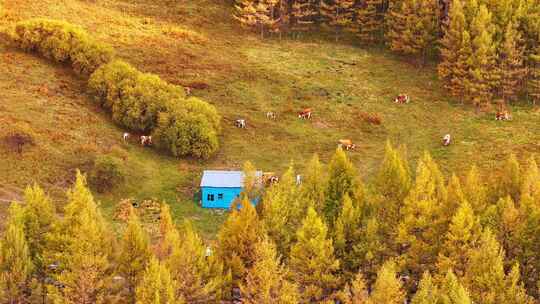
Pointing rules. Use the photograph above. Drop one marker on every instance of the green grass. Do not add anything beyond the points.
(247, 76)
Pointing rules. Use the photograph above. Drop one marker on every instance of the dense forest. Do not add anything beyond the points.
(331, 238)
(487, 50)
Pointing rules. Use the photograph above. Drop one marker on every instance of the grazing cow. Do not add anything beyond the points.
(125, 136)
(273, 179)
(446, 140)
(503, 115)
(305, 114)
(269, 178)
(270, 115)
(240, 123)
(402, 99)
(146, 140)
(347, 144)
(188, 91)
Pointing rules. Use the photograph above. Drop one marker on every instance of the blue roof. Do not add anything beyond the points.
(224, 179)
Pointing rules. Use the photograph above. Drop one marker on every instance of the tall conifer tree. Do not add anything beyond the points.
(134, 256)
(452, 292)
(511, 67)
(156, 286)
(266, 281)
(342, 180)
(483, 58)
(16, 267)
(198, 277)
(237, 238)
(387, 289)
(427, 292)
(369, 21)
(312, 262)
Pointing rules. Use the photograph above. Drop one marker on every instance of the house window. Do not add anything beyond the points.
(220, 196)
(210, 197)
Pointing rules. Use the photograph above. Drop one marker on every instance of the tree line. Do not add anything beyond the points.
(140, 102)
(333, 237)
(487, 50)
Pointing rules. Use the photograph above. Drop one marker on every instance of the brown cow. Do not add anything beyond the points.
(347, 144)
(402, 99)
(269, 178)
(503, 115)
(146, 140)
(305, 114)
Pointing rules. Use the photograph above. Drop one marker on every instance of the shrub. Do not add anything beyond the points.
(19, 136)
(106, 174)
(186, 133)
(62, 42)
(373, 119)
(143, 102)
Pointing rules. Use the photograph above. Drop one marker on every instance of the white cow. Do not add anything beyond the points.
(446, 140)
(240, 123)
(125, 136)
(270, 115)
(146, 140)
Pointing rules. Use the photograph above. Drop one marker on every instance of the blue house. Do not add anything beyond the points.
(220, 188)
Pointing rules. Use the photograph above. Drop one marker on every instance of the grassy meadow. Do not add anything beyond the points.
(197, 43)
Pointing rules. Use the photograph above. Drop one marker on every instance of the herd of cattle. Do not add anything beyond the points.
(347, 144)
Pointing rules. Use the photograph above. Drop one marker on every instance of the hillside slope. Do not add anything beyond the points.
(196, 43)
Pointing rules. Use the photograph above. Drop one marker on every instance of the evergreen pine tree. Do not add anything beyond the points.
(346, 234)
(312, 262)
(356, 292)
(16, 267)
(507, 225)
(266, 281)
(533, 86)
(475, 191)
(304, 14)
(281, 212)
(82, 252)
(156, 285)
(134, 256)
(527, 238)
(39, 217)
(369, 22)
(168, 235)
(369, 249)
(417, 27)
(387, 288)
(392, 183)
(427, 291)
(456, 197)
(342, 180)
(452, 292)
(462, 82)
(484, 275)
(510, 179)
(514, 292)
(237, 238)
(338, 14)
(451, 43)
(246, 13)
(423, 219)
(314, 185)
(530, 187)
(251, 181)
(483, 59)
(511, 68)
(460, 239)
(198, 276)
